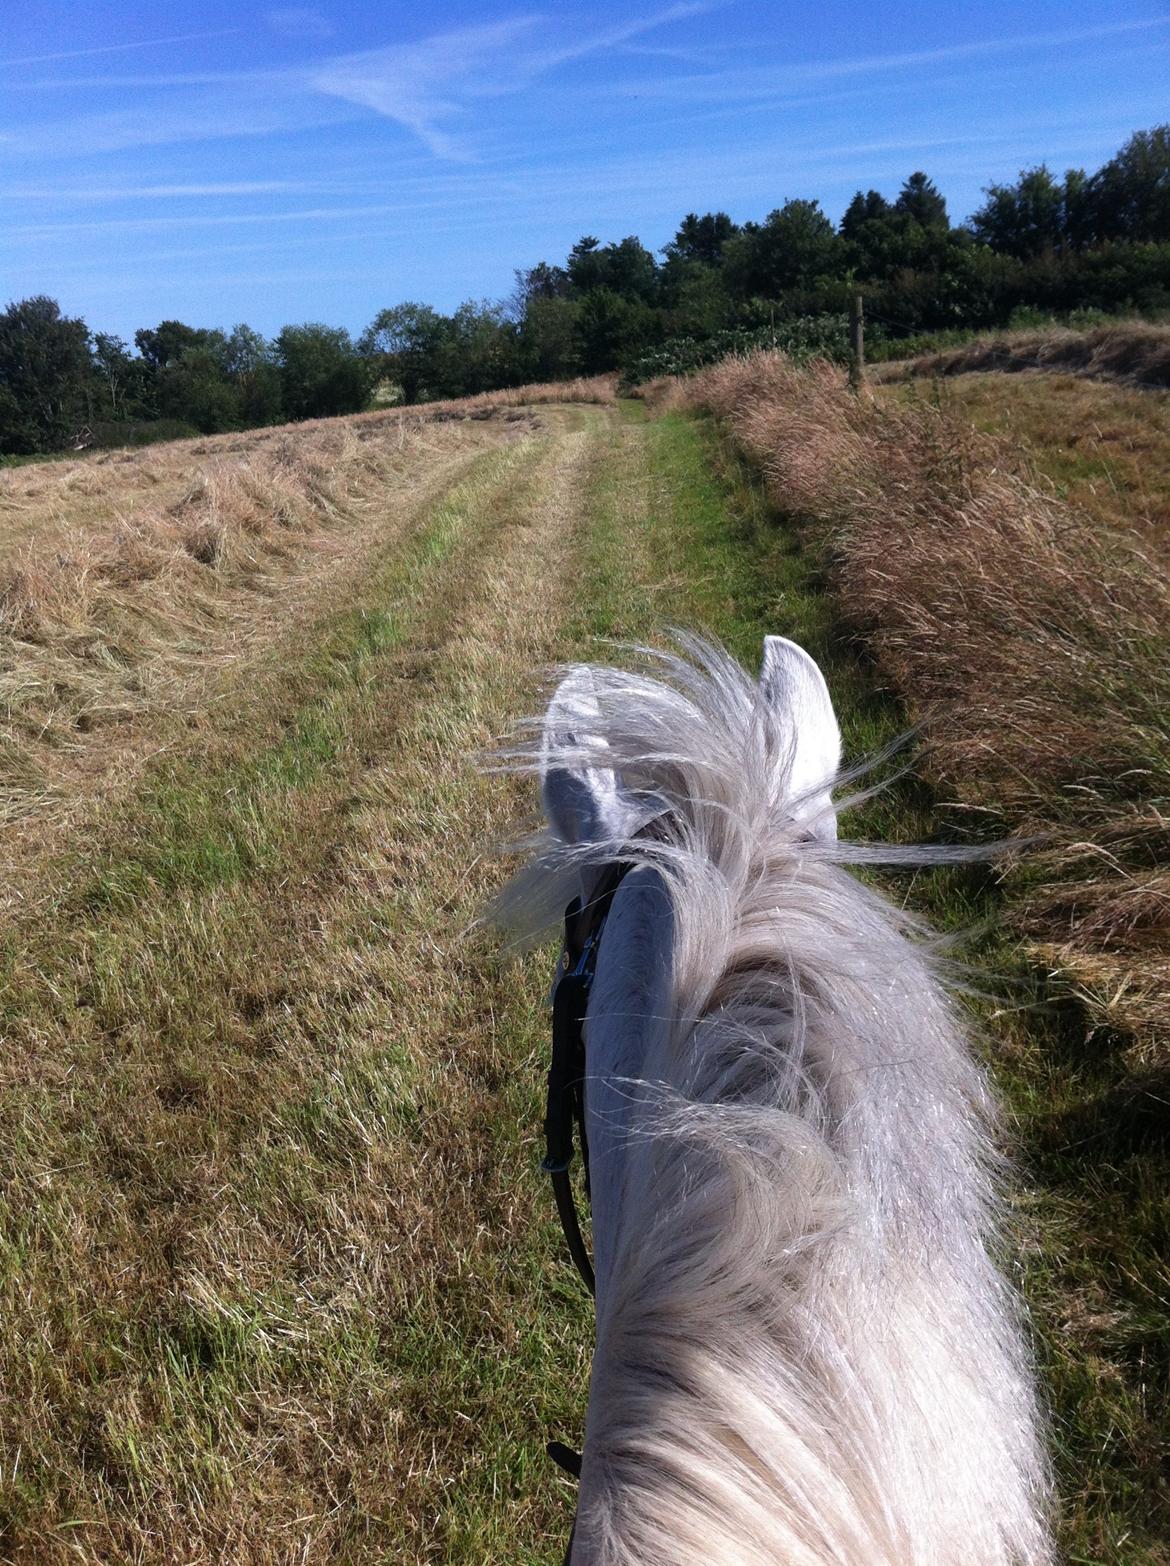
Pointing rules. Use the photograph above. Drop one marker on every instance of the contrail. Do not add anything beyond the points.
(145, 43)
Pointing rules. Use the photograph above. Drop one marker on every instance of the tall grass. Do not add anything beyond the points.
(1029, 643)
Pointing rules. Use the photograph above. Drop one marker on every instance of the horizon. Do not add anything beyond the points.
(510, 134)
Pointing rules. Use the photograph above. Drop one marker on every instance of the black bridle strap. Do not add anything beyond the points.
(565, 1105)
(565, 1457)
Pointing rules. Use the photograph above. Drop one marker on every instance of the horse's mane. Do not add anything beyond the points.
(805, 1354)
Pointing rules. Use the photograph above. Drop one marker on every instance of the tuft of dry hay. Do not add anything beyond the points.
(1028, 641)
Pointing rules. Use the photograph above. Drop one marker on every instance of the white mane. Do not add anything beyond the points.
(804, 1353)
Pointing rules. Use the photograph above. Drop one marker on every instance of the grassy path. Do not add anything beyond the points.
(279, 1281)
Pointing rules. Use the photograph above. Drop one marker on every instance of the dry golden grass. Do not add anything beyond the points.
(1029, 642)
(140, 583)
(281, 1188)
(600, 389)
(1135, 352)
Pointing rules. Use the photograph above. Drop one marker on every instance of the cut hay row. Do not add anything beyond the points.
(274, 1221)
(1136, 353)
(138, 587)
(37, 499)
(1029, 643)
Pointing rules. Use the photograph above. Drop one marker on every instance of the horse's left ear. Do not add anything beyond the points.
(583, 798)
(796, 690)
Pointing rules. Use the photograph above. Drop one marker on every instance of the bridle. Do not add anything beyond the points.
(565, 1104)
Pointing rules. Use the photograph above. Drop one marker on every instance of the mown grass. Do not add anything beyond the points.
(210, 830)
(229, 1086)
(135, 592)
(1133, 352)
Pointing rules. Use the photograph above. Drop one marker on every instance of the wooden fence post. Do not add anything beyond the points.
(856, 340)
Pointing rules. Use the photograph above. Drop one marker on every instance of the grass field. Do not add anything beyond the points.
(279, 1278)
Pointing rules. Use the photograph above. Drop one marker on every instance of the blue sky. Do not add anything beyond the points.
(233, 162)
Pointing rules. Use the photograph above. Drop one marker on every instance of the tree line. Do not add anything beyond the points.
(1055, 244)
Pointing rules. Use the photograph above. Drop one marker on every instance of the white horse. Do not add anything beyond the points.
(804, 1353)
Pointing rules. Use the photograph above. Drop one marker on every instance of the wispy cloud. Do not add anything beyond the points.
(299, 21)
(436, 87)
(242, 219)
(98, 193)
(430, 87)
(425, 86)
(266, 108)
(778, 78)
(565, 188)
(1009, 45)
(141, 43)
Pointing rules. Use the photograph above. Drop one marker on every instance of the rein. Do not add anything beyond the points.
(565, 1104)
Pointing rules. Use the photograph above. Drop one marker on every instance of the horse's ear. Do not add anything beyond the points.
(582, 797)
(795, 689)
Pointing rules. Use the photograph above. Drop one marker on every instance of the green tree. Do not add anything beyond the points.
(1131, 194)
(1077, 217)
(403, 344)
(196, 389)
(872, 207)
(321, 371)
(45, 371)
(695, 301)
(626, 268)
(793, 248)
(477, 350)
(922, 202)
(167, 342)
(611, 329)
(585, 267)
(548, 338)
(250, 362)
(541, 282)
(912, 232)
(701, 238)
(630, 269)
(1024, 219)
(117, 374)
(873, 234)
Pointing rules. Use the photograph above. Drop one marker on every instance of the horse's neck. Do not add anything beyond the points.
(628, 1015)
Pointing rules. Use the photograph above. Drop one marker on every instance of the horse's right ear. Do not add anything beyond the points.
(795, 689)
(582, 797)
